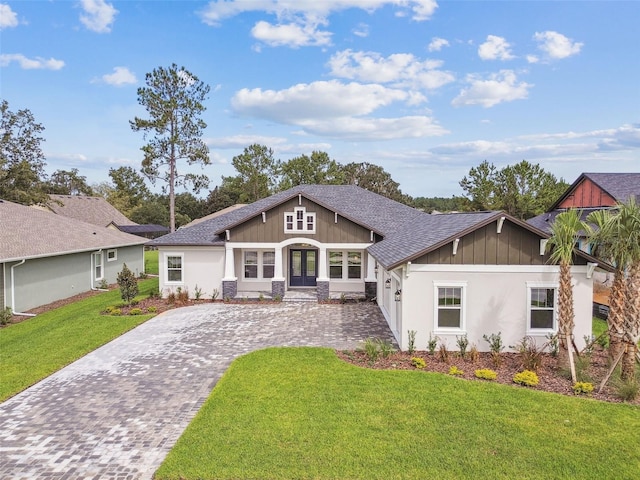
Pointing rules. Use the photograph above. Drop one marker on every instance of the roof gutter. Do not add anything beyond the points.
(13, 291)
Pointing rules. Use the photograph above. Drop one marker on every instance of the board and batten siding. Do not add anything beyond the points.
(587, 195)
(515, 245)
(327, 230)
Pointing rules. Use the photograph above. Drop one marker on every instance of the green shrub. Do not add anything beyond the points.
(182, 296)
(214, 294)
(277, 298)
(463, 343)
(135, 311)
(103, 285)
(432, 344)
(371, 349)
(553, 344)
(443, 353)
(128, 284)
(261, 297)
(583, 388)
(5, 316)
(474, 354)
(627, 390)
(116, 312)
(418, 362)
(197, 292)
(455, 371)
(171, 298)
(495, 346)
(526, 378)
(385, 347)
(152, 309)
(412, 341)
(530, 354)
(486, 374)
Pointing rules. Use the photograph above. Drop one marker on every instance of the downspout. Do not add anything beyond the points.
(13, 291)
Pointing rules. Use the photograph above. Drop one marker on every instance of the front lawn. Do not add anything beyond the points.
(151, 262)
(37, 347)
(301, 413)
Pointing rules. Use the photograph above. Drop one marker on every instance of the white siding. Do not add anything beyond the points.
(202, 267)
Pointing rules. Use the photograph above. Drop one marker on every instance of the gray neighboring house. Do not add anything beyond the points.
(46, 257)
(438, 275)
(97, 211)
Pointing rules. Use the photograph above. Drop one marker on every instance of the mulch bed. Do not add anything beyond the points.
(551, 379)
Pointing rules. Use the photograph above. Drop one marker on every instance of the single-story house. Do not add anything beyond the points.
(441, 275)
(97, 211)
(46, 257)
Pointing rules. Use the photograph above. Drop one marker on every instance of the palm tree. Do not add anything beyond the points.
(564, 233)
(618, 240)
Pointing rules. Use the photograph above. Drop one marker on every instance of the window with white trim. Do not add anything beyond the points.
(449, 306)
(268, 264)
(345, 265)
(98, 272)
(541, 310)
(299, 221)
(250, 264)
(174, 266)
(112, 255)
(259, 264)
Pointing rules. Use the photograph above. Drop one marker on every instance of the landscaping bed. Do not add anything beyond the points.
(592, 369)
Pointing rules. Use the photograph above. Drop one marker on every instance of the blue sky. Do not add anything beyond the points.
(426, 90)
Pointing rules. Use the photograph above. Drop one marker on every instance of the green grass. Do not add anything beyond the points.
(34, 349)
(301, 413)
(151, 262)
(598, 327)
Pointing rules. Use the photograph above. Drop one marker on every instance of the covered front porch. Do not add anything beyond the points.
(298, 268)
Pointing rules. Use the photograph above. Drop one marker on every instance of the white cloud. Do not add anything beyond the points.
(336, 109)
(37, 63)
(532, 59)
(495, 48)
(241, 141)
(298, 21)
(292, 34)
(8, 17)
(437, 44)
(361, 30)
(400, 69)
(120, 76)
(98, 15)
(557, 46)
(499, 87)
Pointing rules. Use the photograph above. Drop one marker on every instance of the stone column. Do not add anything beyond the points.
(322, 287)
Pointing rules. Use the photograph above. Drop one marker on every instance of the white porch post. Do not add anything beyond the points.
(229, 264)
(371, 269)
(322, 265)
(278, 274)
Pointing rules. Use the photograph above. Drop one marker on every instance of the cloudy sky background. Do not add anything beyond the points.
(426, 90)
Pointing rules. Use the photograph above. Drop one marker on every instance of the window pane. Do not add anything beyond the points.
(267, 271)
(354, 258)
(311, 263)
(450, 296)
(296, 263)
(174, 262)
(354, 271)
(448, 318)
(542, 319)
(250, 271)
(335, 271)
(268, 258)
(251, 258)
(335, 258)
(542, 297)
(174, 275)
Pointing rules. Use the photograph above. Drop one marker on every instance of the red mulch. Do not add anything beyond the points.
(550, 378)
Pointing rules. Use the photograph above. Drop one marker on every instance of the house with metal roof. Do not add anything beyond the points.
(46, 257)
(438, 275)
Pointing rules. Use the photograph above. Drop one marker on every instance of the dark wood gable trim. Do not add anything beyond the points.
(268, 226)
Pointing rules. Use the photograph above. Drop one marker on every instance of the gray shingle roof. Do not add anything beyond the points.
(94, 210)
(29, 232)
(545, 220)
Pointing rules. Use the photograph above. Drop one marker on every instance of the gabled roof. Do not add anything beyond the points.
(31, 233)
(621, 186)
(544, 221)
(142, 229)
(215, 214)
(94, 210)
(372, 211)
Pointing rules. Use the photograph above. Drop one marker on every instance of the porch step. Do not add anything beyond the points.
(300, 296)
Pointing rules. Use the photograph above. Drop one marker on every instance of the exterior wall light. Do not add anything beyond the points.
(398, 295)
(387, 283)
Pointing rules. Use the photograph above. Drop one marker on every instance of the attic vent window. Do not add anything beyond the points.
(299, 221)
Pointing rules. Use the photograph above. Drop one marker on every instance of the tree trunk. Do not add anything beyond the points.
(172, 184)
(565, 314)
(628, 362)
(615, 321)
(631, 322)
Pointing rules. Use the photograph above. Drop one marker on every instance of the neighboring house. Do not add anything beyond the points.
(441, 275)
(97, 211)
(215, 214)
(46, 257)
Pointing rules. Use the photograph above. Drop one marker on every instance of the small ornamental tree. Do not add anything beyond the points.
(128, 284)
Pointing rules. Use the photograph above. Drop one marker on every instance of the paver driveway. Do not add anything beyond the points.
(116, 413)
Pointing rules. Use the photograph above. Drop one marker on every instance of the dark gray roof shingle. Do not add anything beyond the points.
(620, 186)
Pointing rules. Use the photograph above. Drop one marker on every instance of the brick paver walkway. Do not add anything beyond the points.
(116, 413)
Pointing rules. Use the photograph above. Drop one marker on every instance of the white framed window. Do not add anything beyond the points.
(175, 267)
(345, 265)
(268, 264)
(98, 270)
(449, 306)
(112, 255)
(541, 308)
(299, 221)
(258, 264)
